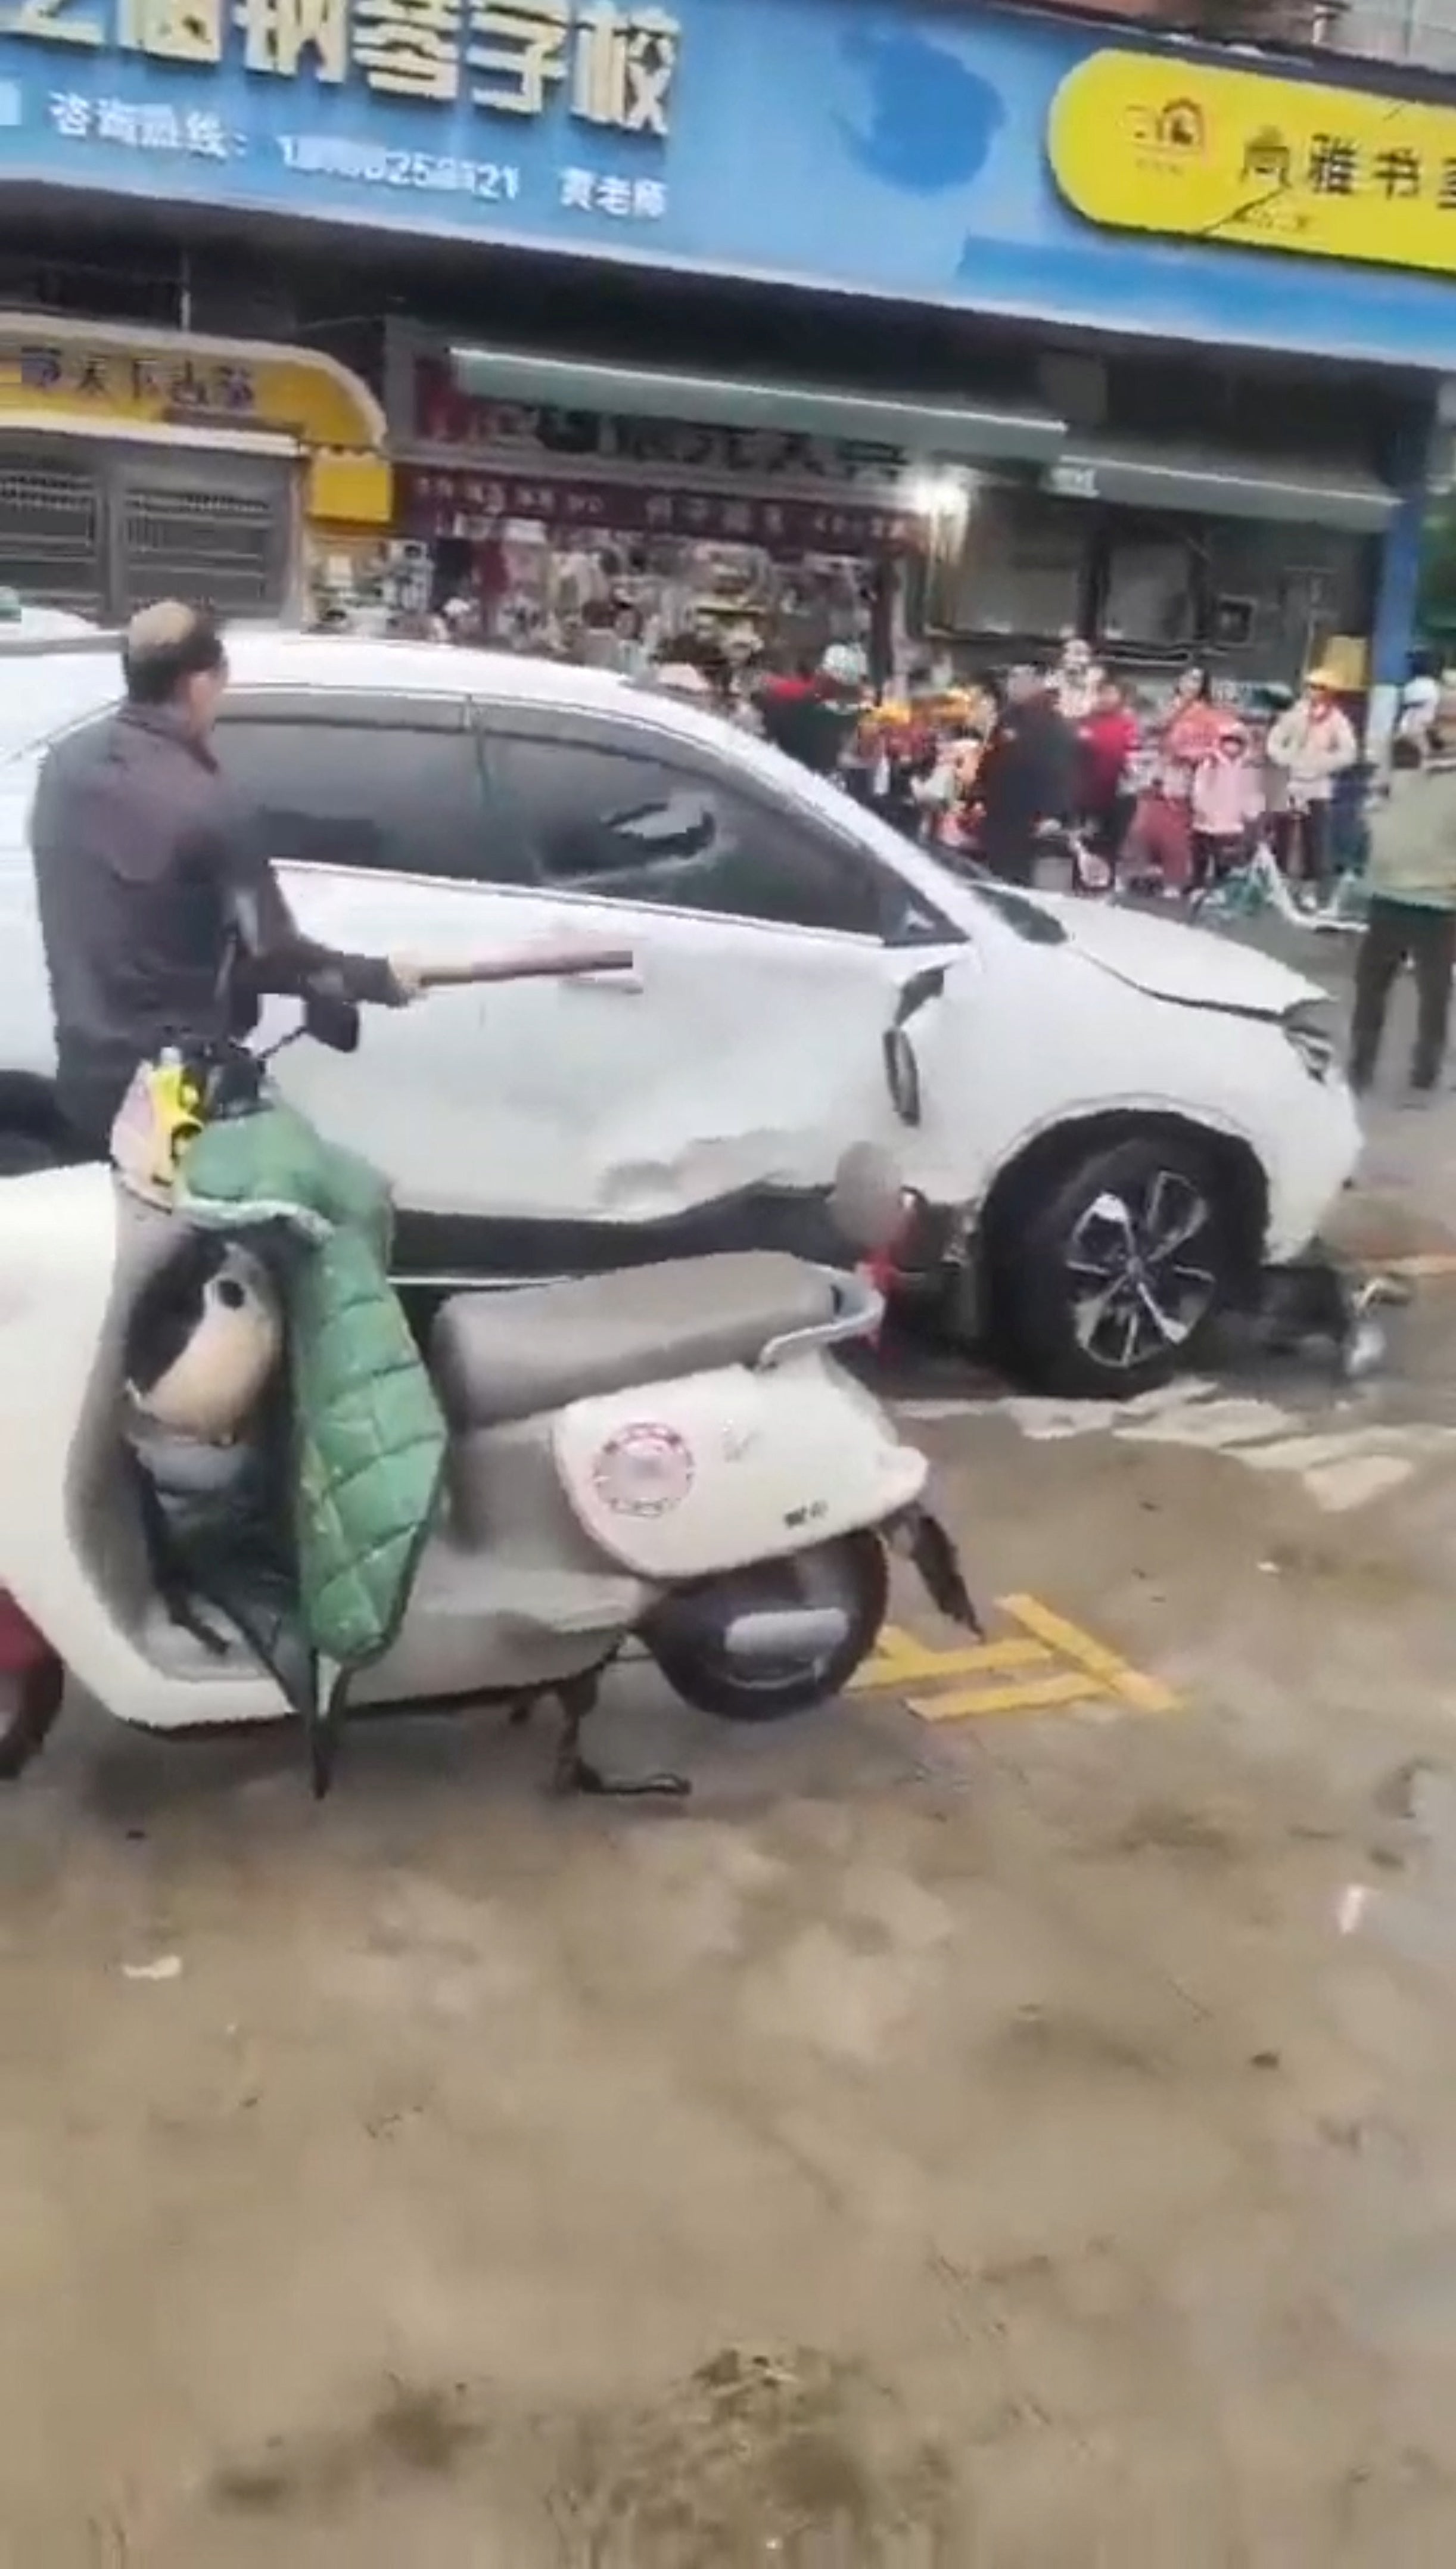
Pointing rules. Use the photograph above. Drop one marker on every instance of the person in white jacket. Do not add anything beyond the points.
(1310, 746)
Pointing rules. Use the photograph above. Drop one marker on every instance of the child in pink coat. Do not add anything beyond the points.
(1227, 806)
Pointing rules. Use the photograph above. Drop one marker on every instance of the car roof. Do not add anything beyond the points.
(357, 661)
(261, 656)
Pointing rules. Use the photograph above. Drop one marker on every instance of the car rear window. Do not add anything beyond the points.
(43, 692)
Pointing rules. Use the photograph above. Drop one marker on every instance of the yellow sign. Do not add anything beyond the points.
(350, 489)
(614, 63)
(95, 375)
(1144, 143)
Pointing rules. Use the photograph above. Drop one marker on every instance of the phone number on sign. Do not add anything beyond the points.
(320, 155)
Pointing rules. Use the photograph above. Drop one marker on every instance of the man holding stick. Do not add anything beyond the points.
(161, 916)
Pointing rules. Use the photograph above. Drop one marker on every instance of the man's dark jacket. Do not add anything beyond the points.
(1027, 775)
(146, 862)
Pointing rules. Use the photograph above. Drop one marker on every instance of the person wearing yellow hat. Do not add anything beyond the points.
(1310, 746)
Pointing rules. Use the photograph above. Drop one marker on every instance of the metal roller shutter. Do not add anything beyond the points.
(50, 533)
(198, 537)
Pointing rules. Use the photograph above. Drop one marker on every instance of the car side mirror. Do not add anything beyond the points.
(330, 1021)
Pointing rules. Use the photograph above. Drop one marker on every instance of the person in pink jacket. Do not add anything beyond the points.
(1227, 805)
(1164, 822)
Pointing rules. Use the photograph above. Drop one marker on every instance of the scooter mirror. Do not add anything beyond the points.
(867, 1200)
(334, 1022)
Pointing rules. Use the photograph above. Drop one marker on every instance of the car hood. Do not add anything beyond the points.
(1171, 961)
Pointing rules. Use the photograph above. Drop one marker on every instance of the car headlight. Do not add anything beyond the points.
(1306, 1029)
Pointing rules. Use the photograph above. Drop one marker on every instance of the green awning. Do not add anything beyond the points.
(921, 425)
(1221, 485)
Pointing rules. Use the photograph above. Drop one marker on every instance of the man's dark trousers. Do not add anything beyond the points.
(1398, 932)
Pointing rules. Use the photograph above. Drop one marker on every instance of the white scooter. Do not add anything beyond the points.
(671, 1454)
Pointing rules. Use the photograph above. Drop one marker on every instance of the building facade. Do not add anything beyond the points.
(1056, 321)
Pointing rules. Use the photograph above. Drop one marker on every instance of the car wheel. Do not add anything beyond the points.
(1119, 1270)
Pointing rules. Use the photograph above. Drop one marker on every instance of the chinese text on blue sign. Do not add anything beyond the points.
(603, 63)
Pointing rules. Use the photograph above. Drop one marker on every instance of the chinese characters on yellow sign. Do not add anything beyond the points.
(37, 373)
(85, 372)
(612, 63)
(1200, 152)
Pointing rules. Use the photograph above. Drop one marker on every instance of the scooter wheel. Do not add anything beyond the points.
(30, 1700)
(687, 1636)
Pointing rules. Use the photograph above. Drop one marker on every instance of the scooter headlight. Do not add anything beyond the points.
(1307, 1029)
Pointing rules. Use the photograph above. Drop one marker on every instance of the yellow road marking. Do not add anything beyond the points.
(901, 1659)
(1094, 1675)
(1146, 1695)
(1033, 1694)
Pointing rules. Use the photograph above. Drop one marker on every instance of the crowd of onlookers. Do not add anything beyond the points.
(1175, 794)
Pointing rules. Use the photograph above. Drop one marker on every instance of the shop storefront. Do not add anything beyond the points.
(1148, 339)
(608, 534)
(136, 464)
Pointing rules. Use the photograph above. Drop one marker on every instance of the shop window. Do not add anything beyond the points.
(629, 827)
(1151, 589)
(381, 797)
(1315, 583)
(1023, 569)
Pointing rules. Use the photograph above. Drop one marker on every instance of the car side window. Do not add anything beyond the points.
(383, 797)
(631, 826)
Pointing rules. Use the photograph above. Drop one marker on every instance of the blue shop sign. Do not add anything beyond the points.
(835, 142)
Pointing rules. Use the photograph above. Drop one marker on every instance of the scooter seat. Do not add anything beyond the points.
(499, 1357)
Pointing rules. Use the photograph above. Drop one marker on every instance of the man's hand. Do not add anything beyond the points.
(408, 978)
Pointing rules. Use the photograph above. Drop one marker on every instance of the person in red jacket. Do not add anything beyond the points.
(1107, 741)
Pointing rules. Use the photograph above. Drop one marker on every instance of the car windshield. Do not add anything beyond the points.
(46, 689)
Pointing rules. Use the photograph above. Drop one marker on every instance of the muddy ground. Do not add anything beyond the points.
(1025, 2142)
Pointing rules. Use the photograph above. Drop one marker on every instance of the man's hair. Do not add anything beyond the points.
(1406, 751)
(165, 644)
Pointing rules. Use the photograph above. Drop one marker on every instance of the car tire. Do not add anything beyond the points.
(1117, 1270)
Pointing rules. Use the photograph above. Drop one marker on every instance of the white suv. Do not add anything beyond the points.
(1112, 1121)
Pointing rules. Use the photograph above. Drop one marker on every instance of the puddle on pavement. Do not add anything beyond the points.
(792, 2461)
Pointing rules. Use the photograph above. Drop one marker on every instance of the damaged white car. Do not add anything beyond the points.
(1107, 1124)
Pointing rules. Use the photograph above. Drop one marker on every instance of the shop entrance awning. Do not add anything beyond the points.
(1223, 484)
(923, 426)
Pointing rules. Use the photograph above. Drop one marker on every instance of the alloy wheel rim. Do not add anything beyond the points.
(1138, 1266)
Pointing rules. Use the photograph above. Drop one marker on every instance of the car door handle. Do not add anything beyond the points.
(628, 985)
